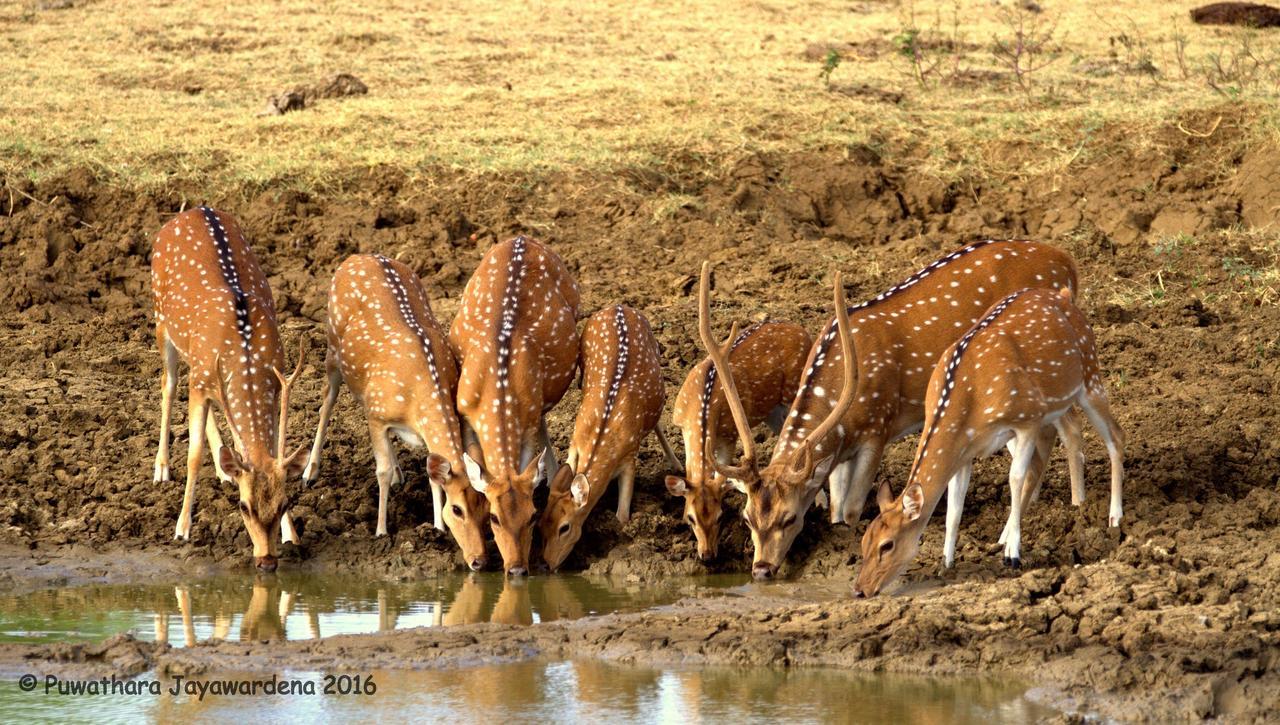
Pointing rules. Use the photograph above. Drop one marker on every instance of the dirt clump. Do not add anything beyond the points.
(1250, 15)
(300, 97)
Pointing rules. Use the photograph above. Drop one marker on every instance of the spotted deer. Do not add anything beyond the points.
(766, 359)
(622, 398)
(214, 310)
(1013, 378)
(517, 340)
(896, 338)
(385, 344)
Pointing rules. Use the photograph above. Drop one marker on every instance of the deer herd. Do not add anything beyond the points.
(983, 348)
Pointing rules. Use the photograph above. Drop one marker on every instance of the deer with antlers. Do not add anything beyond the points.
(622, 398)
(213, 309)
(517, 340)
(385, 344)
(766, 359)
(1013, 378)
(843, 415)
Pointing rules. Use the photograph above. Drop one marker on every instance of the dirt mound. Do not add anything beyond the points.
(1250, 15)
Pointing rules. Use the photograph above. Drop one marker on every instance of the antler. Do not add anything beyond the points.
(803, 463)
(226, 400)
(718, 353)
(285, 385)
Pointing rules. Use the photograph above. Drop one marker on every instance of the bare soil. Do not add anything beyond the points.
(1175, 615)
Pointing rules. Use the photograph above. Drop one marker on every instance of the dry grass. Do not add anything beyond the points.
(149, 93)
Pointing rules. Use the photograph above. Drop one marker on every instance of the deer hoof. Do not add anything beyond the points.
(623, 518)
(162, 473)
(1013, 562)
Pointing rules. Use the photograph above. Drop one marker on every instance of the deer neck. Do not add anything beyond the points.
(253, 412)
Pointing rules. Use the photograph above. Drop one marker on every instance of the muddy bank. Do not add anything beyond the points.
(1181, 293)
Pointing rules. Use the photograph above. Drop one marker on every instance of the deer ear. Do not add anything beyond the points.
(295, 463)
(563, 477)
(534, 468)
(913, 501)
(438, 469)
(884, 496)
(676, 486)
(474, 474)
(232, 464)
(821, 471)
(737, 485)
(580, 489)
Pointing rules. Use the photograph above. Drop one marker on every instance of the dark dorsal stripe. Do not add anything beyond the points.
(708, 385)
(829, 332)
(615, 384)
(507, 320)
(396, 286)
(949, 375)
(230, 275)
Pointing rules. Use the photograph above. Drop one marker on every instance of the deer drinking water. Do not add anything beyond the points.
(1015, 375)
(766, 360)
(517, 340)
(896, 337)
(622, 397)
(214, 310)
(385, 343)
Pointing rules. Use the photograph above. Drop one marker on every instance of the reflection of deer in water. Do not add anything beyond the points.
(263, 620)
(475, 603)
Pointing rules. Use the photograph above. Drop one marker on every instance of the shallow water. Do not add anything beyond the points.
(302, 605)
(569, 691)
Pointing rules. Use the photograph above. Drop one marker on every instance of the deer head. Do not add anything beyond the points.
(466, 510)
(263, 494)
(778, 496)
(891, 540)
(511, 512)
(567, 509)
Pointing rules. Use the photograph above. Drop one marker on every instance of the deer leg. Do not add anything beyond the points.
(1039, 463)
(184, 607)
(288, 535)
(332, 384)
(864, 475)
(838, 482)
(162, 627)
(957, 487)
(437, 505)
(385, 459)
(215, 447)
(198, 409)
(168, 386)
(626, 485)
(1034, 477)
(1024, 450)
(1069, 429)
(550, 464)
(1099, 412)
(221, 626)
(672, 461)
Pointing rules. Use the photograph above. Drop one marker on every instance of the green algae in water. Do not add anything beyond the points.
(300, 605)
